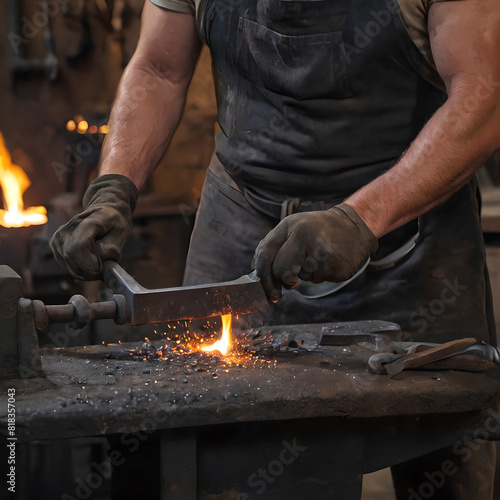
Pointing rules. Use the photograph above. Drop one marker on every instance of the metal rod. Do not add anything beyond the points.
(60, 313)
(79, 310)
(103, 310)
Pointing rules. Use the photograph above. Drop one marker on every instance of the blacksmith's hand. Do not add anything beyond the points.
(329, 245)
(100, 231)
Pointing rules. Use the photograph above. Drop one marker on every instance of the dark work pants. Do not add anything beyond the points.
(226, 233)
(437, 293)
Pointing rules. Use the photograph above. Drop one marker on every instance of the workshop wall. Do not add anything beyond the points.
(93, 40)
(41, 91)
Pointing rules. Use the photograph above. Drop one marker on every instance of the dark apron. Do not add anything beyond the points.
(316, 99)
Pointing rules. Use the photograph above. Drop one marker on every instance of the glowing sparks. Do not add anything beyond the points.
(223, 345)
(14, 182)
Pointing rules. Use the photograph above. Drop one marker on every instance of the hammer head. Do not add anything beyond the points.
(142, 306)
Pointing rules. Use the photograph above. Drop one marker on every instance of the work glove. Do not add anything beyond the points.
(329, 245)
(100, 231)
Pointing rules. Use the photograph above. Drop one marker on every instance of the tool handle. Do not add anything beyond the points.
(437, 353)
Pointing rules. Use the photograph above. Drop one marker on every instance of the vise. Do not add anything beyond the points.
(132, 304)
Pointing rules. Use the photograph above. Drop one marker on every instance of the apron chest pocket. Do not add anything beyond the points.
(303, 67)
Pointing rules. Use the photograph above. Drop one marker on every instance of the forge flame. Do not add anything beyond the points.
(224, 344)
(13, 183)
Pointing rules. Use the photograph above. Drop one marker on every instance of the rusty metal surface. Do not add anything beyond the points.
(379, 335)
(11, 290)
(87, 392)
(29, 350)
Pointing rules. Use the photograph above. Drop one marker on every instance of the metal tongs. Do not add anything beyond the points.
(420, 355)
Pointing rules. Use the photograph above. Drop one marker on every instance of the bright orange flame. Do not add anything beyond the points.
(223, 345)
(14, 182)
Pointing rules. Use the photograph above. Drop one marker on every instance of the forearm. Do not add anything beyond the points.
(443, 157)
(463, 133)
(143, 120)
(151, 95)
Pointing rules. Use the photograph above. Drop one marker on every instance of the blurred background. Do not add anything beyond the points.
(60, 64)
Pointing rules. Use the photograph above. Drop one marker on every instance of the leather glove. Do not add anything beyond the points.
(330, 245)
(100, 231)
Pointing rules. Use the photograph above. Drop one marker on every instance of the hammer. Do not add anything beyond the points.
(131, 304)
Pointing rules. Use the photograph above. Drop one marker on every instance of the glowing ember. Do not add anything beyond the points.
(71, 126)
(14, 182)
(223, 345)
(82, 127)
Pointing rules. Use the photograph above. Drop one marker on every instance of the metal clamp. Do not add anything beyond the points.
(79, 311)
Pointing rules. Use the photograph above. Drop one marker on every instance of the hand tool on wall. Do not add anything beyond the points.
(78, 41)
(22, 67)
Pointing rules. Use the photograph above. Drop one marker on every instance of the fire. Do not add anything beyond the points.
(224, 344)
(14, 182)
